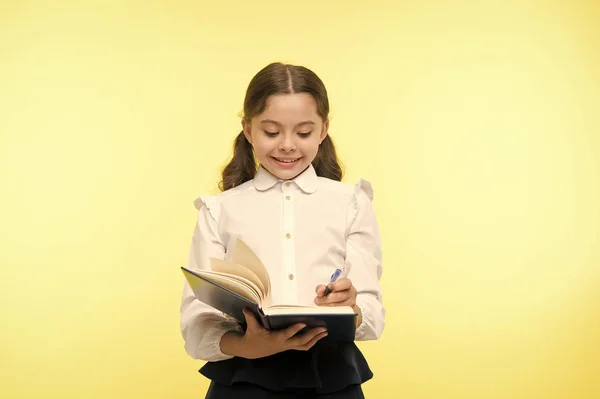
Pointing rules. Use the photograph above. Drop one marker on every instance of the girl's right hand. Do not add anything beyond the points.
(258, 342)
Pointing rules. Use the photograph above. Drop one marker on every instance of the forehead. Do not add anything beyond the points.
(290, 108)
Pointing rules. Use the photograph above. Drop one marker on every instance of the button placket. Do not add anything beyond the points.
(289, 256)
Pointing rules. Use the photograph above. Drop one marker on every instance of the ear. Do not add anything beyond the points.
(324, 132)
(247, 128)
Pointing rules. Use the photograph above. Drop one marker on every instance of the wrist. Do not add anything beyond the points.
(231, 344)
(359, 317)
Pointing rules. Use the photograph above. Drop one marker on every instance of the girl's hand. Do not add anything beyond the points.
(342, 293)
(258, 342)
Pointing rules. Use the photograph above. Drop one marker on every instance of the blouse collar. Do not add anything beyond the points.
(307, 180)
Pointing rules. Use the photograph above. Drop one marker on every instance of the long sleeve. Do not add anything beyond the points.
(202, 326)
(364, 259)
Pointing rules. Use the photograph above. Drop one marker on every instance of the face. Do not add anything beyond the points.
(286, 136)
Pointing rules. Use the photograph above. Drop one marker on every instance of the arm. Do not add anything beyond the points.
(364, 257)
(202, 326)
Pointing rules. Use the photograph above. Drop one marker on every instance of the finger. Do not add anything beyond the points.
(303, 339)
(251, 321)
(292, 330)
(348, 302)
(341, 285)
(320, 290)
(334, 297)
(313, 341)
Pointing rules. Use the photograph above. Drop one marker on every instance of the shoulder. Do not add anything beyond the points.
(213, 203)
(359, 191)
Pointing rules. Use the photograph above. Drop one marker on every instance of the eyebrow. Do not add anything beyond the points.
(279, 124)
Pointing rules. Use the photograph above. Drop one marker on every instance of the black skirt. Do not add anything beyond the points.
(250, 391)
(327, 368)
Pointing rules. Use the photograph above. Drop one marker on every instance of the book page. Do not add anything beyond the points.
(222, 266)
(243, 255)
(312, 310)
(233, 283)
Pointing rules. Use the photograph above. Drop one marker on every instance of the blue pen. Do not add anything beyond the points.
(333, 278)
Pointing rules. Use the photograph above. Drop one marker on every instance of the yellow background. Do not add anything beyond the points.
(477, 122)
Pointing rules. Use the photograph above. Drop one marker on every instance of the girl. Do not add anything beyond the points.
(303, 223)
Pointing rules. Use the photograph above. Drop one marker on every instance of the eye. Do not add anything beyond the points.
(271, 134)
(304, 135)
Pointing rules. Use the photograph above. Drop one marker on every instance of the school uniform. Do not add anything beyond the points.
(302, 230)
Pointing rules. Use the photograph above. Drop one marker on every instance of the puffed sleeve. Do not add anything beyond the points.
(364, 260)
(202, 326)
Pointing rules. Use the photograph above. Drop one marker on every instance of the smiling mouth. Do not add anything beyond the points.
(286, 160)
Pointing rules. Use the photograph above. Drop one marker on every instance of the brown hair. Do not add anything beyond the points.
(279, 78)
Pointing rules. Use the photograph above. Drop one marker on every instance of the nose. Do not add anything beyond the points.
(288, 142)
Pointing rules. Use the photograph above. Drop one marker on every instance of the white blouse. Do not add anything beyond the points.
(302, 230)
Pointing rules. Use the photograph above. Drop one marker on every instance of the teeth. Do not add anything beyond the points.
(287, 160)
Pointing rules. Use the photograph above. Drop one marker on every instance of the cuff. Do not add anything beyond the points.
(214, 335)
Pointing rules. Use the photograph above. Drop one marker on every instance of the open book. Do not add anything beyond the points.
(243, 282)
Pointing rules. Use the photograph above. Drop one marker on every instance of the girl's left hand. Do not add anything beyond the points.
(342, 293)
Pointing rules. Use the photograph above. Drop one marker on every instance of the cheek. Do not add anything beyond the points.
(261, 147)
(310, 146)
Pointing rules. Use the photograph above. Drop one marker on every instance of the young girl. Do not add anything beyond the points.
(293, 211)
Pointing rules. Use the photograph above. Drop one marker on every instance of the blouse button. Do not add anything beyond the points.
(288, 235)
(287, 197)
(288, 184)
(291, 276)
